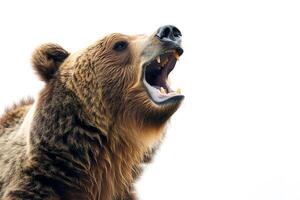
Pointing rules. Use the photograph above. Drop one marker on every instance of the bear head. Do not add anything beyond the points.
(120, 79)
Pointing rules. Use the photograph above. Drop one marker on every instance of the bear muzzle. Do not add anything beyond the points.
(164, 50)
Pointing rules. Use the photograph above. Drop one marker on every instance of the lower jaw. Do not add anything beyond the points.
(160, 97)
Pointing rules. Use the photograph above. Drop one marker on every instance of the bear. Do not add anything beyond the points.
(102, 114)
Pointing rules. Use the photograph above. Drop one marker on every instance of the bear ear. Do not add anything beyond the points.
(46, 60)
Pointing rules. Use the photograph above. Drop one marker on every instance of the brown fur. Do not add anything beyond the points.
(46, 60)
(14, 114)
(93, 125)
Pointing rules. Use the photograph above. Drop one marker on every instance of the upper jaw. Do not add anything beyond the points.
(155, 76)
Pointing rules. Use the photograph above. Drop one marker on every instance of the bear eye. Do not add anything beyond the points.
(120, 46)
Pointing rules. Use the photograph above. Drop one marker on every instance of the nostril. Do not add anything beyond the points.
(176, 32)
(166, 32)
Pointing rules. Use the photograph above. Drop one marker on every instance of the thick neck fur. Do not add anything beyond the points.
(71, 159)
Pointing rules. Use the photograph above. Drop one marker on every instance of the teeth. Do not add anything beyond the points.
(162, 90)
(165, 62)
(178, 91)
(158, 59)
(176, 55)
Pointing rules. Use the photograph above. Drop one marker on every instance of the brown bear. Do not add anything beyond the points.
(101, 115)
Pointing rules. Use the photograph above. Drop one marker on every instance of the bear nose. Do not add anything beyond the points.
(168, 33)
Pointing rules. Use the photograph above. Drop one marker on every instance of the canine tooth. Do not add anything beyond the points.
(162, 90)
(176, 55)
(178, 91)
(165, 62)
(158, 59)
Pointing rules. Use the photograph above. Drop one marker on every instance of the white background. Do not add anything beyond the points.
(237, 135)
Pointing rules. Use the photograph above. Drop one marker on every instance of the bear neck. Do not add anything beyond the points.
(71, 156)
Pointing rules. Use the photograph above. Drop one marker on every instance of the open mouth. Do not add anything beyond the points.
(156, 74)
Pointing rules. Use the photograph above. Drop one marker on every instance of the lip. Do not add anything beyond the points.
(155, 77)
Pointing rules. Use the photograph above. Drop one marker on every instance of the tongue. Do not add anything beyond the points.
(161, 79)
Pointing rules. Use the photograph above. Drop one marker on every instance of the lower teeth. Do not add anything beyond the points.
(162, 90)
